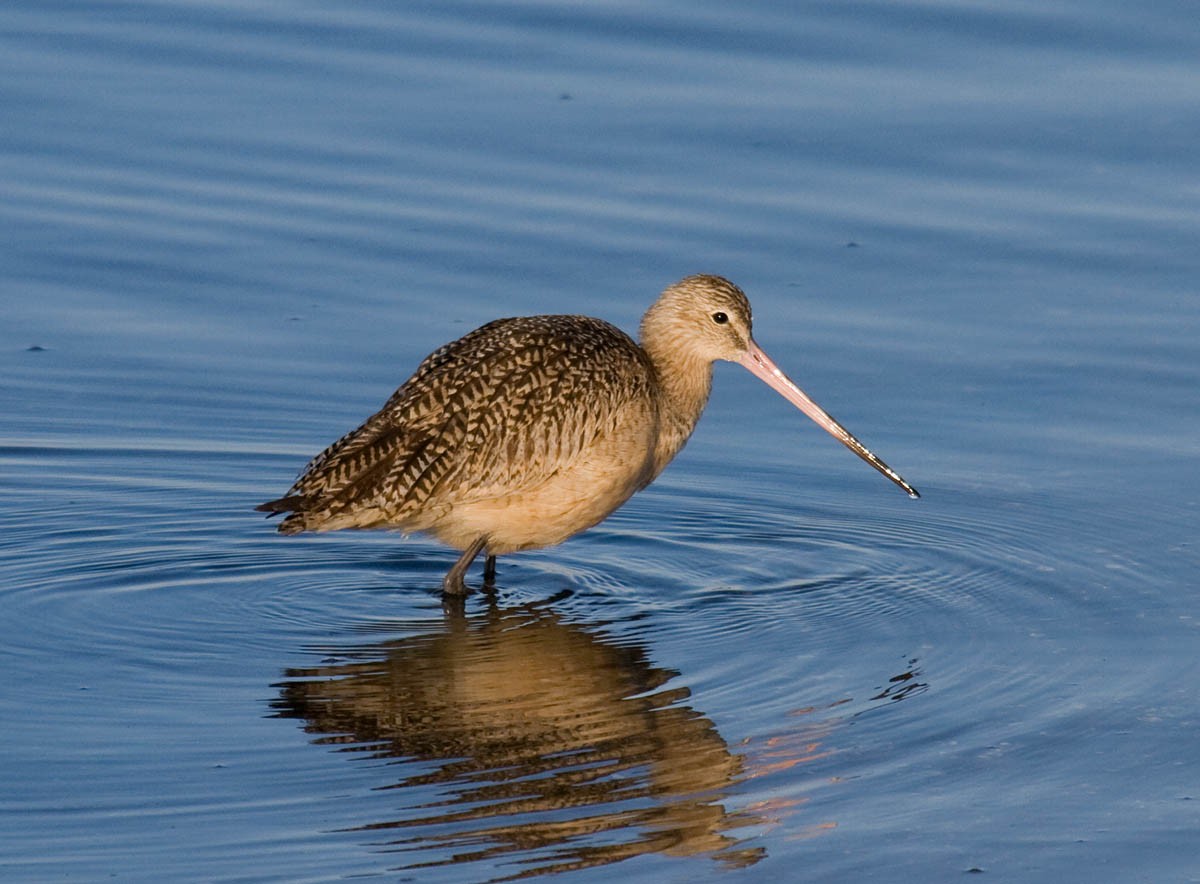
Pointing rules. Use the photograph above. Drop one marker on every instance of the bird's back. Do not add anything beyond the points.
(501, 410)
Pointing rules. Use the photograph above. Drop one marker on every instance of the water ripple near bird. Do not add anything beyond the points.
(766, 638)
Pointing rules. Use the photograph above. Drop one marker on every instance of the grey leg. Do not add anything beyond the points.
(452, 583)
(489, 571)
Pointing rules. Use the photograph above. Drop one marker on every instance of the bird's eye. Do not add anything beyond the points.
(720, 318)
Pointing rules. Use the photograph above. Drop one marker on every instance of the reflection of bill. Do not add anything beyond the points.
(554, 748)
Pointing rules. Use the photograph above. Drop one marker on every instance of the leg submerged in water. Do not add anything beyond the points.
(453, 583)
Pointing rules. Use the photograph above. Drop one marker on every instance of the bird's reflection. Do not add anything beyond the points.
(529, 740)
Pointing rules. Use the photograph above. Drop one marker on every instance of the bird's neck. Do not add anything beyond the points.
(684, 383)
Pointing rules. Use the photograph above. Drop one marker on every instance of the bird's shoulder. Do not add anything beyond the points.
(515, 361)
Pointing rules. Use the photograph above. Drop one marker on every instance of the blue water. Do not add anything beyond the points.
(969, 230)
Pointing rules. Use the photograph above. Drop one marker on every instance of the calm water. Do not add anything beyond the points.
(971, 230)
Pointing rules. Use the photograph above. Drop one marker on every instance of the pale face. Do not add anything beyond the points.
(708, 318)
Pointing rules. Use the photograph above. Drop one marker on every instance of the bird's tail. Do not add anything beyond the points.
(295, 505)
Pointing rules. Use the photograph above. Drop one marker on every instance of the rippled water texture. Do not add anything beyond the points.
(227, 231)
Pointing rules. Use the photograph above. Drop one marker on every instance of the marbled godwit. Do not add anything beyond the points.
(529, 430)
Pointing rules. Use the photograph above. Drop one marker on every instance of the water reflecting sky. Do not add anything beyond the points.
(227, 231)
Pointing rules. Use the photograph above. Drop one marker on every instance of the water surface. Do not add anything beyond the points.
(969, 230)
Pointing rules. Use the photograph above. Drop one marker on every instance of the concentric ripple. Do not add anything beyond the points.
(715, 663)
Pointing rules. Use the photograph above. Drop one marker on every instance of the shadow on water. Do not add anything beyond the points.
(536, 737)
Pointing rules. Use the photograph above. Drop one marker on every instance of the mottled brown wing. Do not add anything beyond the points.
(533, 407)
(500, 409)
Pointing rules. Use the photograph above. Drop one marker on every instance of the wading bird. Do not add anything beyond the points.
(529, 430)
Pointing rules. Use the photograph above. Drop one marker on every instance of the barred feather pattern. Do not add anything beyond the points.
(497, 412)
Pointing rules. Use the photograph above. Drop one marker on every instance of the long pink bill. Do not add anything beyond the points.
(762, 366)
